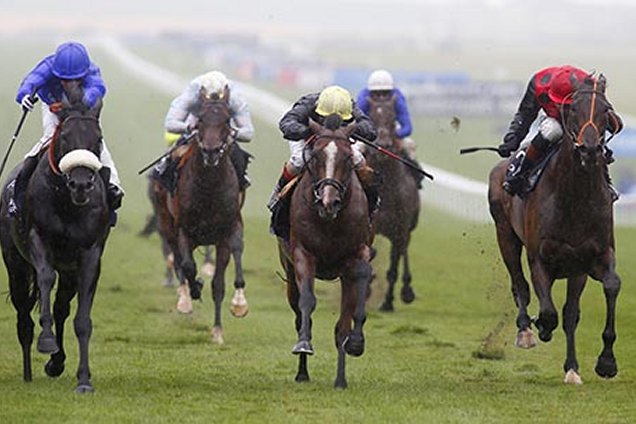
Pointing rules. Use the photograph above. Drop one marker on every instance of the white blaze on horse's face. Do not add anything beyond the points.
(330, 164)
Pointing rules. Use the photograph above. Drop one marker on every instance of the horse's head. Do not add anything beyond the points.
(331, 165)
(75, 149)
(214, 127)
(382, 112)
(587, 118)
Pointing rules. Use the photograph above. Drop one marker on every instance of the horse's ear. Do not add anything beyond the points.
(333, 122)
(314, 126)
(226, 94)
(97, 109)
(602, 82)
(350, 128)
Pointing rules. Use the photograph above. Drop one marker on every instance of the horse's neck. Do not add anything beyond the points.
(578, 190)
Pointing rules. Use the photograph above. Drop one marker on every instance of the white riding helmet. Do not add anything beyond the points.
(380, 80)
(214, 83)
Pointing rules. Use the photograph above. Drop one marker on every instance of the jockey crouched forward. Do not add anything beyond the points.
(182, 118)
(69, 66)
(381, 87)
(295, 128)
(550, 90)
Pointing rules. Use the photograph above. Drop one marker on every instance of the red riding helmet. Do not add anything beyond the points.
(562, 84)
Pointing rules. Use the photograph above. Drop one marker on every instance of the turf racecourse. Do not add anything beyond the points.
(447, 358)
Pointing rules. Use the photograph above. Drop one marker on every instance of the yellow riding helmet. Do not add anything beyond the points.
(214, 83)
(335, 99)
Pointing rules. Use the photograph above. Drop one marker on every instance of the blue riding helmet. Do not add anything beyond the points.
(71, 61)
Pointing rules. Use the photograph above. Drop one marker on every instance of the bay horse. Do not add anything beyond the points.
(205, 210)
(61, 229)
(566, 227)
(329, 232)
(399, 209)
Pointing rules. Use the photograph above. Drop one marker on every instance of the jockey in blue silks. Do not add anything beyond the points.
(52, 76)
(380, 85)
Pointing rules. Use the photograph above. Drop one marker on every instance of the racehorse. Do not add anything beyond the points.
(62, 229)
(205, 210)
(400, 201)
(329, 232)
(566, 227)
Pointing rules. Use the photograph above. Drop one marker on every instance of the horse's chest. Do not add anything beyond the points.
(566, 258)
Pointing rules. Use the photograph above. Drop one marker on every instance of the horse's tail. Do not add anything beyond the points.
(150, 227)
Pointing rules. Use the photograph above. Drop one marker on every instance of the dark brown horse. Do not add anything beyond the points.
(205, 210)
(400, 201)
(329, 232)
(566, 227)
(60, 234)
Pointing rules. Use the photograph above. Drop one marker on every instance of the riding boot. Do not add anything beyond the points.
(274, 199)
(240, 159)
(20, 186)
(165, 173)
(515, 175)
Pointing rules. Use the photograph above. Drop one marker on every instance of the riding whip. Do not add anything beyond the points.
(25, 111)
(172, 149)
(477, 149)
(392, 156)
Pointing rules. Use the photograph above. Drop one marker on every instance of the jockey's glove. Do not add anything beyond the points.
(28, 101)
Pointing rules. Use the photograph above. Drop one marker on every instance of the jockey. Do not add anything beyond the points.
(49, 80)
(550, 90)
(295, 128)
(380, 86)
(182, 118)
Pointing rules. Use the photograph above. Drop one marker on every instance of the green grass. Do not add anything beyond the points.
(447, 358)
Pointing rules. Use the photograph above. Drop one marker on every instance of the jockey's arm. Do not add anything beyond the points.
(241, 119)
(402, 116)
(527, 112)
(295, 123)
(365, 127)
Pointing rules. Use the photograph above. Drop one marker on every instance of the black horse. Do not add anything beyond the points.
(60, 230)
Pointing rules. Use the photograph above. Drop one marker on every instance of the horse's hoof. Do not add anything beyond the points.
(217, 335)
(303, 346)
(545, 336)
(47, 344)
(84, 388)
(195, 289)
(572, 377)
(340, 384)
(386, 307)
(302, 378)
(606, 367)
(407, 294)
(184, 304)
(526, 339)
(239, 307)
(354, 345)
(53, 369)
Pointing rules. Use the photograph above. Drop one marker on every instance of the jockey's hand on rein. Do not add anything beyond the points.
(28, 101)
(505, 149)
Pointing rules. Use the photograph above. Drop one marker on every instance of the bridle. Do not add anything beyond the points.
(218, 152)
(53, 164)
(318, 185)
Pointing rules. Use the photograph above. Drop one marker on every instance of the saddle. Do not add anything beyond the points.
(534, 174)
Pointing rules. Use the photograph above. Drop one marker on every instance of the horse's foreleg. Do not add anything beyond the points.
(293, 296)
(391, 278)
(238, 307)
(188, 266)
(548, 318)
(606, 363)
(23, 299)
(571, 314)
(83, 325)
(169, 258)
(45, 276)
(407, 294)
(305, 269)
(510, 248)
(61, 310)
(218, 290)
